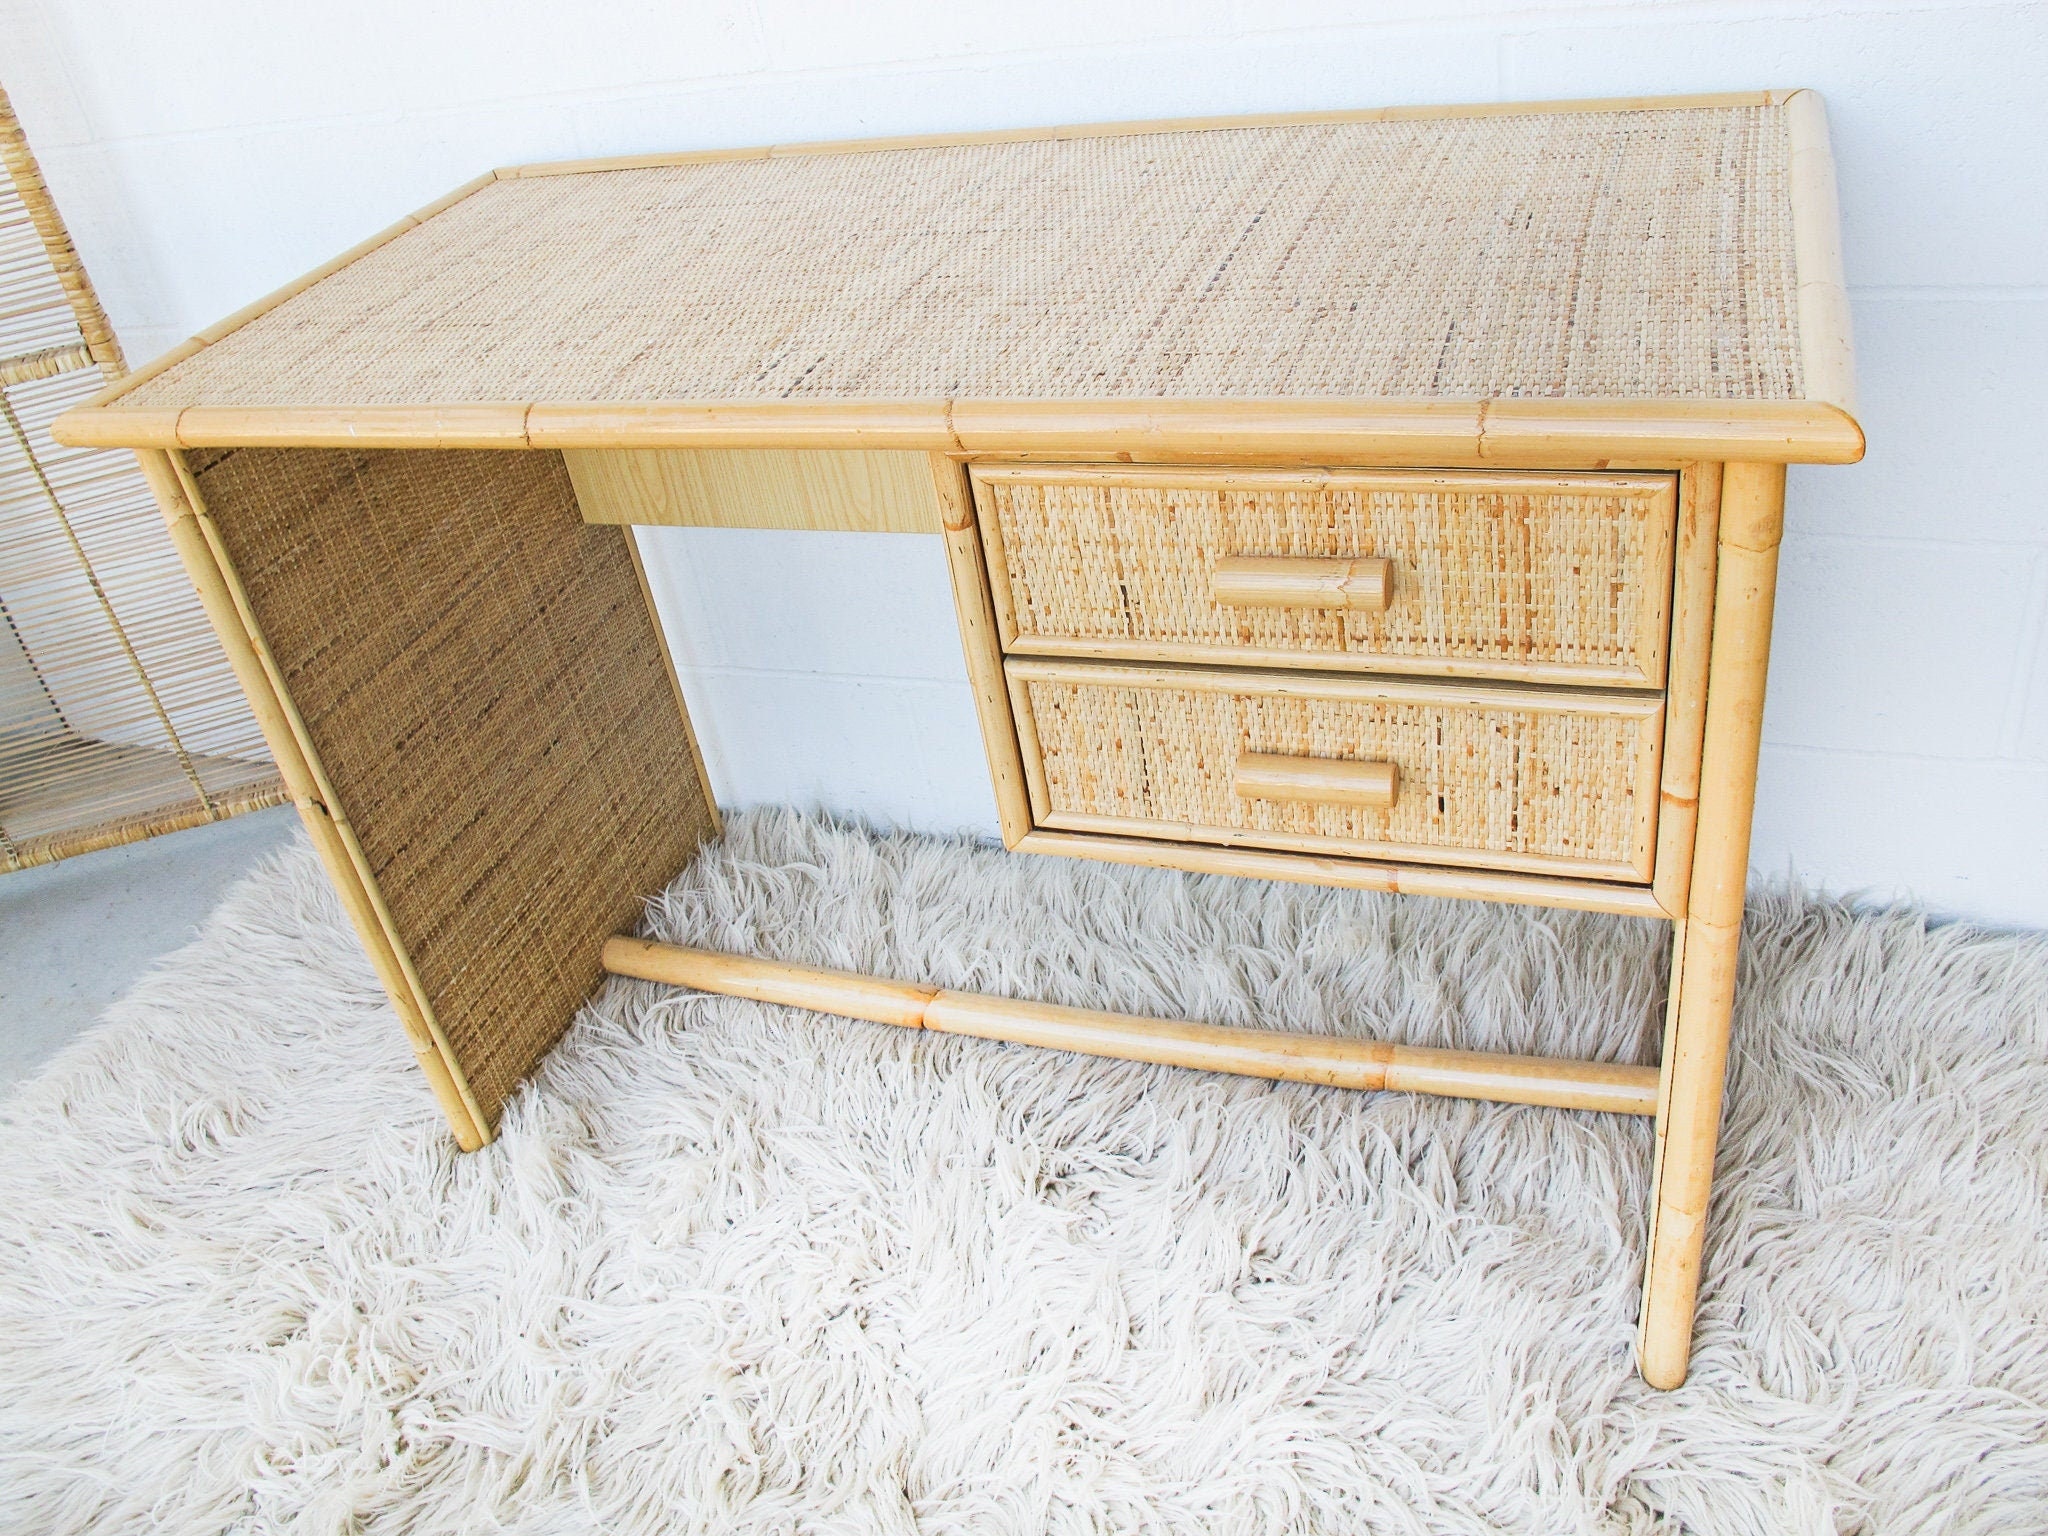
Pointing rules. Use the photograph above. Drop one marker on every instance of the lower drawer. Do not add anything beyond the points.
(1494, 776)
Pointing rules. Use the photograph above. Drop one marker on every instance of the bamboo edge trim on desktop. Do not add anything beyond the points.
(435, 713)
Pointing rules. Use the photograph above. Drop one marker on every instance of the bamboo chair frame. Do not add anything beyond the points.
(123, 721)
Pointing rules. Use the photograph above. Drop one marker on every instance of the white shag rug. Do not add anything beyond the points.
(733, 1268)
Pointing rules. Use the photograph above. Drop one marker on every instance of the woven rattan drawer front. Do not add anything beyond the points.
(1499, 777)
(1525, 576)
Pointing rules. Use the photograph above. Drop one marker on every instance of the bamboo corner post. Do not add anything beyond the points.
(974, 610)
(1709, 938)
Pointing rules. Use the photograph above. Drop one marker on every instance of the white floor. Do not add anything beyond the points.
(75, 935)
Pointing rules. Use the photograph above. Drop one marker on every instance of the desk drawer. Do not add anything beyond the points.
(1526, 576)
(1497, 777)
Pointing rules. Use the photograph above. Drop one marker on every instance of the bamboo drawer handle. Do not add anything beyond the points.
(1285, 581)
(1317, 780)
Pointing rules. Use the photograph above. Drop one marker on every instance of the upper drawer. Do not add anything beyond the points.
(1542, 577)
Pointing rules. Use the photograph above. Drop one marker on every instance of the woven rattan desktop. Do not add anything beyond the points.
(1384, 499)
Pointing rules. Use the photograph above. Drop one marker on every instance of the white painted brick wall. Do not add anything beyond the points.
(209, 151)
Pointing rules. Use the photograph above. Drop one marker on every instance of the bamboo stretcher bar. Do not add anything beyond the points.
(1333, 1061)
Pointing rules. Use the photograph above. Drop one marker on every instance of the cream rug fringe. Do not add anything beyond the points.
(732, 1268)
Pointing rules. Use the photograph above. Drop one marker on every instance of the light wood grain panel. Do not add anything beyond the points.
(831, 490)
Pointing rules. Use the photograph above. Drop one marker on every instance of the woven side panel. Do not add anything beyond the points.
(1499, 579)
(1639, 254)
(483, 684)
(1524, 785)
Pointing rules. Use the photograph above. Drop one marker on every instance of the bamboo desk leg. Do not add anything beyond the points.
(1704, 954)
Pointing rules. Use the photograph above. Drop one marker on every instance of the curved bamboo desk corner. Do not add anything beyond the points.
(1386, 499)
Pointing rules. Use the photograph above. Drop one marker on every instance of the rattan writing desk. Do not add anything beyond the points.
(1384, 499)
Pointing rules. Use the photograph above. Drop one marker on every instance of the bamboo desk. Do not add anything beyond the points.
(1385, 499)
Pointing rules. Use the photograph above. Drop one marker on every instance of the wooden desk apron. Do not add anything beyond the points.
(1387, 499)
